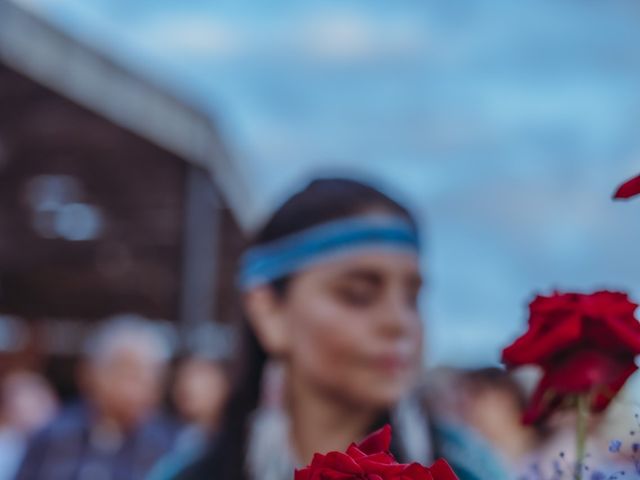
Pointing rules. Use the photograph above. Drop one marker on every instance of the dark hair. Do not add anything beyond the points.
(321, 201)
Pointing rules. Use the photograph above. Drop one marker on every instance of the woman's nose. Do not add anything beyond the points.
(398, 318)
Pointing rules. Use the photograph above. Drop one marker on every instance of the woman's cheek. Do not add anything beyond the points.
(326, 342)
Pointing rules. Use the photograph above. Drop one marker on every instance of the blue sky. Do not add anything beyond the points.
(506, 125)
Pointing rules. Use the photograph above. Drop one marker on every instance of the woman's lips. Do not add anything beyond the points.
(392, 363)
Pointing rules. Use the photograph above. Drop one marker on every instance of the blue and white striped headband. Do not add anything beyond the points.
(263, 264)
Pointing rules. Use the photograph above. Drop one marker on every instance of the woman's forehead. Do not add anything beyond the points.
(371, 263)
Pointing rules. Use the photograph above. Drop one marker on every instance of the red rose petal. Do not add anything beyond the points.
(329, 474)
(378, 441)
(304, 474)
(607, 392)
(318, 459)
(614, 334)
(539, 344)
(342, 462)
(580, 373)
(586, 370)
(629, 189)
(354, 452)
(441, 470)
(386, 470)
(381, 458)
(415, 471)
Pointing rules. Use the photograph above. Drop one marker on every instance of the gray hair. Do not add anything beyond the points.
(128, 330)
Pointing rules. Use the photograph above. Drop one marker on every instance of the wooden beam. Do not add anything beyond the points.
(200, 253)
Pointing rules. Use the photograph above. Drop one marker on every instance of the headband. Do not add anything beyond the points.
(265, 263)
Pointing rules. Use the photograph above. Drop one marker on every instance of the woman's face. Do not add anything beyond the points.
(353, 327)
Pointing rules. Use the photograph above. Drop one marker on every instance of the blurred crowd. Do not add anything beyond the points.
(137, 406)
(142, 414)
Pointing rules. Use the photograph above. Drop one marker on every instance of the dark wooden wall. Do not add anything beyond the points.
(135, 265)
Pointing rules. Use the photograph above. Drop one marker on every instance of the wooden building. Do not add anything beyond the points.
(115, 194)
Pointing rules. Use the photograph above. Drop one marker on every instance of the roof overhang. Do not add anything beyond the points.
(34, 47)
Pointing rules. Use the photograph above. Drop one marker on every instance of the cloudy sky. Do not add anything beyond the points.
(506, 125)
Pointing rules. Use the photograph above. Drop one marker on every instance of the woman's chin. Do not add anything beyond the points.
(384, 394)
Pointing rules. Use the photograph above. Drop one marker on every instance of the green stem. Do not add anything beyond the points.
(582, 425)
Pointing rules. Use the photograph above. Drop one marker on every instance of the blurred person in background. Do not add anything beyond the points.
(27, 403)
(199, 392)
(115, 431)
(493, 404)
(331, 287)
(477, 416)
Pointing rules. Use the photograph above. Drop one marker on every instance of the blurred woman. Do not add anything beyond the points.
(199, 392)
(330, 290)
(477, 419)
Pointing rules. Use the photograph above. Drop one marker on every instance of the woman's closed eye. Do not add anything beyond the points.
(357, 293)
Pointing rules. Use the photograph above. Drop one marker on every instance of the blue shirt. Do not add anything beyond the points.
(71, 448)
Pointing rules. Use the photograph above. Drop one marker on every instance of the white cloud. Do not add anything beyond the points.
(348, 35)
(327, 35)
(337, 36)
(191, 35)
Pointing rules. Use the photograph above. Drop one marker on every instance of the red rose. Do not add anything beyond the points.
(371, 460)
(629, 189)
(585, 344)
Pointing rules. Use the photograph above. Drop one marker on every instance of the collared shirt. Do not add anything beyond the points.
(74, 447)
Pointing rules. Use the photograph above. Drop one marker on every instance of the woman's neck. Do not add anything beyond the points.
(323, 423)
